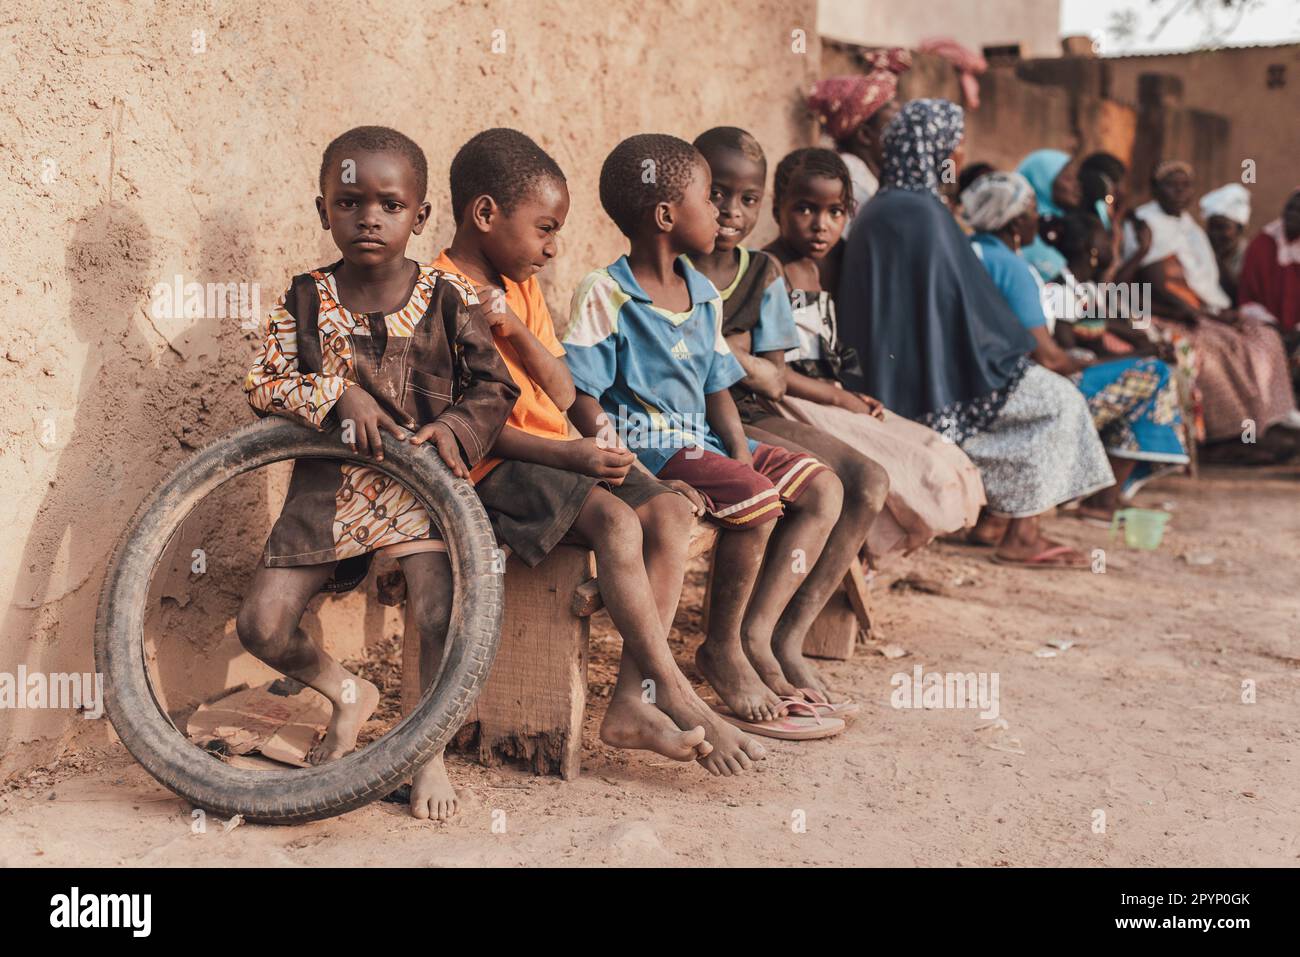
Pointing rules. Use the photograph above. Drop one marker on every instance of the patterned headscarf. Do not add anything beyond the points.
(920, 138)
(843, 103)
(995, 199)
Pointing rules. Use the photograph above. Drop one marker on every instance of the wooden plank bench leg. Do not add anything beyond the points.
(531, 707)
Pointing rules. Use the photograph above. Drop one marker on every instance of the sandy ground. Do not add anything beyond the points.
(1142, 719)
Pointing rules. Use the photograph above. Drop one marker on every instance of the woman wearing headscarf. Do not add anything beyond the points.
(1241, 368)
(1056, 190)
(1226, 212)
(1134, 401)
(937, 343)
(854, 112)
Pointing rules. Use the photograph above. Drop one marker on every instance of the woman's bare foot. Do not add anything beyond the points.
(988, 531)
(432, 796)
(1017, 551)
(632, 723)
(731, 675)
(345, 723)
(1097, 513)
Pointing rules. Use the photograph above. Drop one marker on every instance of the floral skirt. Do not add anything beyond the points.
(1041, 450)
(1134, 404)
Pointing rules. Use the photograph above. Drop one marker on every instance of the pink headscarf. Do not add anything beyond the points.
(965, 61)
(842, 103)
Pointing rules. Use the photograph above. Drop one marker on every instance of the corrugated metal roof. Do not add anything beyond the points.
(1219, 49)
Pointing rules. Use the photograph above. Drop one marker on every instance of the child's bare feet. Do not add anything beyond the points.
(345, 723)
(632, 723)
(799, 671)
(758, 649)
(988, 530)
(725, 750)
(731, 675)
(432, 796)
(733, 750)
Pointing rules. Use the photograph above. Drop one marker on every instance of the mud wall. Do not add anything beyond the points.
(148, 141)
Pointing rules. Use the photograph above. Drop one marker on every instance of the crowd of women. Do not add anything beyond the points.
(1070, 343)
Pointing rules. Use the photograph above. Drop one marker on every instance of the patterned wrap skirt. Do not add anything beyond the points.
(1134, 405)
(1041, 450)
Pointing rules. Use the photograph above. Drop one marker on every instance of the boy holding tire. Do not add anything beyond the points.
(375, 343)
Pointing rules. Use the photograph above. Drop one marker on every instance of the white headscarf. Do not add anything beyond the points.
(1231, 201)
(995, 199)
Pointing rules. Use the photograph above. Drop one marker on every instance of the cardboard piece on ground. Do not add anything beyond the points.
(265, 720)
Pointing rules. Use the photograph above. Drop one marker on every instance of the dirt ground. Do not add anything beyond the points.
(1133, 746)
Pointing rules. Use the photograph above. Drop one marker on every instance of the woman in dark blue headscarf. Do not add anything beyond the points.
(937, 343)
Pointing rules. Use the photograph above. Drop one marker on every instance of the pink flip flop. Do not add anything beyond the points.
(1043, 560)
(824, 706)
(787, 727)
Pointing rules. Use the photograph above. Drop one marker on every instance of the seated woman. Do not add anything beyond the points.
(1057, 190)
(854, 111)
(1134, 402)
(1269, 290)
(937, 343)
(1226, 212)
(1240, 363)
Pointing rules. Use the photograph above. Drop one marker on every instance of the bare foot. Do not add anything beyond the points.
(1098, 512)
(345, 724)
(432, 796)
(988, 530)
(631, 723)
(1016, 551)
(802, 673)
(726, 749)
(758, 649)
(731, 675)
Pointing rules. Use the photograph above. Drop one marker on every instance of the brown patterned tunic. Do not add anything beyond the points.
(431, 361)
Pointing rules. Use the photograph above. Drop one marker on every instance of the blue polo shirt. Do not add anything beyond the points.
(650, 368)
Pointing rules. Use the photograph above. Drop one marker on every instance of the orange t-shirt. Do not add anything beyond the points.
(534, 411)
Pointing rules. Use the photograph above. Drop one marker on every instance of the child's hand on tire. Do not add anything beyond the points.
(359, 407)
(445, 442)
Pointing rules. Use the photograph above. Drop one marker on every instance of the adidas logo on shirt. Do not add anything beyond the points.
(681, 351)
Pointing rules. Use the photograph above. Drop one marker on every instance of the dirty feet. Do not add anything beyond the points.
(432, 796)
(731, 675)
(345, 723)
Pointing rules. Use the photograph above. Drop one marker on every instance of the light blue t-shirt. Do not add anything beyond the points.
(649, 368)
(1014, 279)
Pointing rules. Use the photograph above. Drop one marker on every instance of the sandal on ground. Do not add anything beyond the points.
(787, 727)
(1043, 559)
(823, 705)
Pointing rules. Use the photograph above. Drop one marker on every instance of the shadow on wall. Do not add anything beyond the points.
(109, 266)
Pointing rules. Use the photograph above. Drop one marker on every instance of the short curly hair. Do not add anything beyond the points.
(502, 163)
(733, 139)
(803, 164)
(377, 139)
(642, 172)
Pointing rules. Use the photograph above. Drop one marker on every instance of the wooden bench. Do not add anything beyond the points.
(531, 708)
